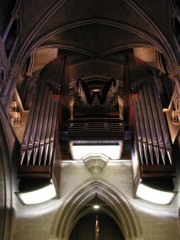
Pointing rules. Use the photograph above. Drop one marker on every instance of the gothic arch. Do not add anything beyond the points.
(175, 5)
(6, 187)
(119, 25)
(73, 208)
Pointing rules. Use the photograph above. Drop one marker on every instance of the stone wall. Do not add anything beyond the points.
(43, 222)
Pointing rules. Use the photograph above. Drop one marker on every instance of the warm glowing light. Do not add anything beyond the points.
(38, 196)
(80, 151)
(154, 195)
(96, 90)
(96, 206)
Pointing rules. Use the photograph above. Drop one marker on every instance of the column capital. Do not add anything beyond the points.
(175, 74)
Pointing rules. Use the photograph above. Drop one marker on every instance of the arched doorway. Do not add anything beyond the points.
(96, 226)
(79, 204)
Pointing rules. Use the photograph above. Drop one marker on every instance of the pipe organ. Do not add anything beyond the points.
(48, 115)
(144, 119)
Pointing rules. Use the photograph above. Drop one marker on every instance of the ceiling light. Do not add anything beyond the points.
(155, 196)
(38, 196)
(96, 206)
(96, 90)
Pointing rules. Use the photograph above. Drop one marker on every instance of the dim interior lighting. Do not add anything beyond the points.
(154, 195)
(96, 90)
(111, 151)
(96, 206)
(38, 196)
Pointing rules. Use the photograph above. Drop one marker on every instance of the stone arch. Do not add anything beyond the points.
(6, 186)
(2, 74)
(175, 5)
(118, 25)
(73, 208)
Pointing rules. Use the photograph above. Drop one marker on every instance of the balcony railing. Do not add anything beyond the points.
(96, 127)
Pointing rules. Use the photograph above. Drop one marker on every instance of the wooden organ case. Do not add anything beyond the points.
(48, 115)
(145, 122)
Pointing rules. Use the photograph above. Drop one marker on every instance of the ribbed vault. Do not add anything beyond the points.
(116, 205)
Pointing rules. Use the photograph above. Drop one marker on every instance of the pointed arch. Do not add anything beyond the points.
(6, 186)
(21, 58)
(73, 208)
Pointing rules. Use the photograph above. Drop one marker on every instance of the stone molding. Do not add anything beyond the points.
(6, 204)
(95, 162)
(73, 208)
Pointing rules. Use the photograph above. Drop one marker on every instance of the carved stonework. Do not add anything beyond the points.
(176, 113)
(14, 114)
(95, 162)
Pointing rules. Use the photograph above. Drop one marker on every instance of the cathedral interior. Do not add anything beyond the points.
(89, 120)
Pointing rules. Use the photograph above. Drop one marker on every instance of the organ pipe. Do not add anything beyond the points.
(153, 141)
(49, 106)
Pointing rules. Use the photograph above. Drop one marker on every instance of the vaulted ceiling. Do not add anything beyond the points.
(94, 35)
